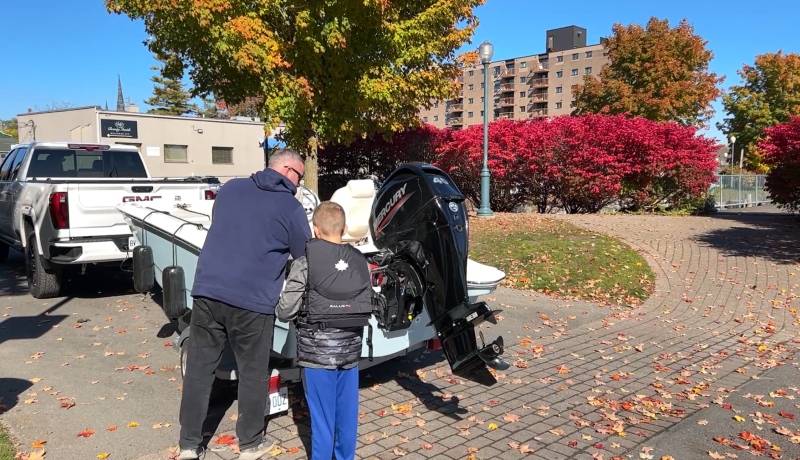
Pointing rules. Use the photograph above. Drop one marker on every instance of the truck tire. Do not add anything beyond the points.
(3, 252)
(42, 284)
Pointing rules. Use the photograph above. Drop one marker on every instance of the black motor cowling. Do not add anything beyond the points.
(419, 218)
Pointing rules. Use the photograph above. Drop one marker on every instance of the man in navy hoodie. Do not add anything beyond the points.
(257, 223)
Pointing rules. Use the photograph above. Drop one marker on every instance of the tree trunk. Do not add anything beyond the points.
(311, 179)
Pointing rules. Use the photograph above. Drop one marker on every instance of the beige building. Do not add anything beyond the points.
(539, 85)
(171, 146)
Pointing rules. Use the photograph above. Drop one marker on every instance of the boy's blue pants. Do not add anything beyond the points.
(332, 397)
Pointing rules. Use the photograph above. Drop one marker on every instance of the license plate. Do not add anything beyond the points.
(131, 242)
(278, 402)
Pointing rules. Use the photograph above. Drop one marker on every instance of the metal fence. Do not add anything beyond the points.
(739, 191)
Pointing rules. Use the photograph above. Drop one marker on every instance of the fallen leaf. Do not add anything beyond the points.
(112, 428)
(68, 404)
(225, 440)
(133, 425)
(38, 444)
(103, 455)
(511, 418)
(36, 455)
(492, 426)
(86, 434)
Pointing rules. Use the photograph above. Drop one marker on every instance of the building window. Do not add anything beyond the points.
(471, 86)
(470, 100)
(483, 71)
(222, 155)
(574, 72)
(470, 114)
(497, 70)
(523, 65)
(574, 56)
(436, 118)
(549, 42)
(176, 153)
(522, 94)
(522, 108)
(588, 70)
(481, 99)
(425, 119)
(588, 54)
(481, 113)
(471, 73)
(436, 105)
(559, 58)
(558, 105)
(559, 89)
(559, 74)
(483, 85)
(523, 79)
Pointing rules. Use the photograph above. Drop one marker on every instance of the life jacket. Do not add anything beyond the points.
(339, 290)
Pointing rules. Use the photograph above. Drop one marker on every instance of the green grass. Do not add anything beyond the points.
(7, 450)
(557, 258)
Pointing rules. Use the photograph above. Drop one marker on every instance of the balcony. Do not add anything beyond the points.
(507, 87)
(455, 121)
(537, 113)
(537, 82)
(539, 67)
(537, 97)
(505, 102)
(508, 72)
(455, 108)
(460, 79)
(509, 115)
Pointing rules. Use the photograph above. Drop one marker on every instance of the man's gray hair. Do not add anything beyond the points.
(282, 156)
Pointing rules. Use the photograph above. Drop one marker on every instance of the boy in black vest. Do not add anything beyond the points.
(329, 295)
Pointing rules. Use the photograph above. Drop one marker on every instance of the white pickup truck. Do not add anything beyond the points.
(57, 206)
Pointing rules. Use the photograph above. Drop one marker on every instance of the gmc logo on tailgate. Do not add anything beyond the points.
(128, 199)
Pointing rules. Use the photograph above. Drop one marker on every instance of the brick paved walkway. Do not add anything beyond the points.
(592, 382)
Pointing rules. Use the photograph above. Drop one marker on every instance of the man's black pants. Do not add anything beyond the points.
(250, 336)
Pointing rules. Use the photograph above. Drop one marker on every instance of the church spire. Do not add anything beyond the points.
(120, 100)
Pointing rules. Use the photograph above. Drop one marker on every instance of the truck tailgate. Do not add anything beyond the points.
(92, 205)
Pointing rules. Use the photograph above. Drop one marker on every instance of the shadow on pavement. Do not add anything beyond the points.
(10, 389)
(31, 327)
(764, 232)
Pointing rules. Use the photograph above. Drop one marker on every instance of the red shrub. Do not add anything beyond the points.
(781, 152)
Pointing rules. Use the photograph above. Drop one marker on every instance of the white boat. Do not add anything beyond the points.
(414, 232)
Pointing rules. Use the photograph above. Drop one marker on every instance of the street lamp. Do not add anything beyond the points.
(732, 140)
(485, 51)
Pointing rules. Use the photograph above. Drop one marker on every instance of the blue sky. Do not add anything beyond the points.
(71, 51)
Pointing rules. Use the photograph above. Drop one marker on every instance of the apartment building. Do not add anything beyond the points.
(538, 85)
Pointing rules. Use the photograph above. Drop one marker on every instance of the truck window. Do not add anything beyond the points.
(5, 169)
(62, 162)
(17, 163)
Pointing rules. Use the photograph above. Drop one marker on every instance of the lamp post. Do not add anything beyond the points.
(485, 51)
(732, 140)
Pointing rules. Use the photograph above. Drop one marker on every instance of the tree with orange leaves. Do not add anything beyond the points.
(329, 71)
(658, 72)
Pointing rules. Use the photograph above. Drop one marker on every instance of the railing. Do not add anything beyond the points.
(506, 101)
(538, 82)
(456, 108)
(456, 121)
(538, 97)
(507, 87)
(739, 191)
(505, 115)
(508, 72)
(538, 67)
(537, 113)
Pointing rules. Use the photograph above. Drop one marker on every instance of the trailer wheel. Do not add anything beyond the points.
(42, 283)
(184, 356)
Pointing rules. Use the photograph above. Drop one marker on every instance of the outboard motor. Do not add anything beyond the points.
(419, 221)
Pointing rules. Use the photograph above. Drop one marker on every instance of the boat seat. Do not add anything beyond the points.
(356, 200)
